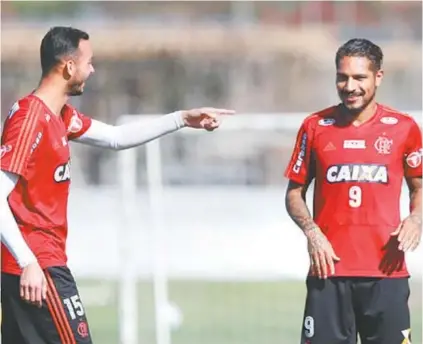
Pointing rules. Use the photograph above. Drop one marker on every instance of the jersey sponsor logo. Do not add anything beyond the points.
(355, 144)
(75, 123)
(389, 120)
(414, 159)
(365, 173)
(36, 142)
(5, 149)
(296, 168)
(383, 145)
(13, 109)
(325, 122)
(62, 173)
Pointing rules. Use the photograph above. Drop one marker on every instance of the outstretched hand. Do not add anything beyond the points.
(204, 118)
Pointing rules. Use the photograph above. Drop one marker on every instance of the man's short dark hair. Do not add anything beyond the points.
(360, 47)
(59, 42)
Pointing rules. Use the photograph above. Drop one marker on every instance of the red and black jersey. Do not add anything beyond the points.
(358, 173)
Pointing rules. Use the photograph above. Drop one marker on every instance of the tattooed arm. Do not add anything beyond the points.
(410, 231)
(296, 206)
(415, 188)
(320, 250)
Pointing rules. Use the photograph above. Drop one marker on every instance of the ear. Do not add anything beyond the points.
(379, 77)
(69, 69)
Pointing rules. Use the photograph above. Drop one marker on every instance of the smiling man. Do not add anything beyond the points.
(35, 176)
(358, 153)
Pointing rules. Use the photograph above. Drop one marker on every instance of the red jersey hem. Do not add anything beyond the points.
(295, 180)
(15, 270)
(369, 274)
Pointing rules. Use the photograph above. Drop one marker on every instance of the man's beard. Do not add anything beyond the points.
(356, 111)
(76, 90)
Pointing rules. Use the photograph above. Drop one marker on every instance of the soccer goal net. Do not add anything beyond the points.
(209, 254)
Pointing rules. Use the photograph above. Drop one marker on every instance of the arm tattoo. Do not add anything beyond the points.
(415, 187)
(297, 208)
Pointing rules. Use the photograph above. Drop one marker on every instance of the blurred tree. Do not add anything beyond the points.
(40, 9)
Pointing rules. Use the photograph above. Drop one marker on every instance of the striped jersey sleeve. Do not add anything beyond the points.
(22, 132)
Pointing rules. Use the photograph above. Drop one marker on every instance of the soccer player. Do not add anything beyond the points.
(358, 153)
(40, 300)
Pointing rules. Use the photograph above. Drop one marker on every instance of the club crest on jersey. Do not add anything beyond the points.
(383, 145)
(414, 159)
(365, 173)
(62, 173)
(75, 123)
(5, 149)
(389, 120)
(325, 122)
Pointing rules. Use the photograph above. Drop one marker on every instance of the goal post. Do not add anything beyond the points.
(127, 162)
(239, 127)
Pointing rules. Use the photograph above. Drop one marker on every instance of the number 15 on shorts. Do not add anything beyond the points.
(74, 306)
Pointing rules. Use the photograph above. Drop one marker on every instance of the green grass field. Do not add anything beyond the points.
(217, 312)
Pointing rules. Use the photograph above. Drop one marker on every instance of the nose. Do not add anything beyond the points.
(92, 69)
(350, 85)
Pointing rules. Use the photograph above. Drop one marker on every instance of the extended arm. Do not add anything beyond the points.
(10, 233)
(132, 134)
(138, 132)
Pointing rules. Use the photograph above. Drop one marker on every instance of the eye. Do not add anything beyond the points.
(341, 78)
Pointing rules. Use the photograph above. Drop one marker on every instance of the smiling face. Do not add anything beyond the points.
(356, 81)
(79, 68)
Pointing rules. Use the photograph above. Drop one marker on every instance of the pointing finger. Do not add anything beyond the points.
(215, 111)
(225, 112)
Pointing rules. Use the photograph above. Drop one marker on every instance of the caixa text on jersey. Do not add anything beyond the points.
(62, 173)
(366, 173)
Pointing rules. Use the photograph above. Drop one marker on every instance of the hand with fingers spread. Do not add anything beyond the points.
(33, 284)
(409, 233)
(321, 253)
(204, 118)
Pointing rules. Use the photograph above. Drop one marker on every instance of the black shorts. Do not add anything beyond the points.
(61, 319)
(338, 308)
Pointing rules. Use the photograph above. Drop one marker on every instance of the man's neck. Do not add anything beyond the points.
(53, 96)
